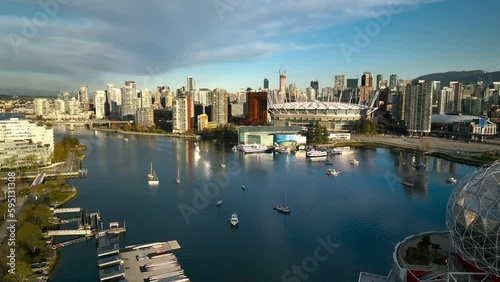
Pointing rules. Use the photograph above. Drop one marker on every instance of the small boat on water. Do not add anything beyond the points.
(332, 172)
(282, 208)
(451, 180)
(152, 178)
(316, 154)
(354, 161)
(125, 139)
(418, 165)
(328, 162)
(409, 184)
(302, 147)
(219, 202)
(243, 186)
(234, 219)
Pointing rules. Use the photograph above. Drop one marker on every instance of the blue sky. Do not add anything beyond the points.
(237, 43)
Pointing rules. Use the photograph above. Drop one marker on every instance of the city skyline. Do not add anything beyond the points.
(67, 44)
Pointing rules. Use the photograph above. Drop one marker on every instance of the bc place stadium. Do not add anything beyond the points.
(335, 116)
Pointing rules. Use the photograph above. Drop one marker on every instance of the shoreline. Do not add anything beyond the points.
(457, 158)
(196, 137)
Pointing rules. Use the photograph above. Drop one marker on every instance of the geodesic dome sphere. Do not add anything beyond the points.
(473, 218)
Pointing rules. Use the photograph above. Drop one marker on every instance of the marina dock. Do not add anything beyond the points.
(145, 262)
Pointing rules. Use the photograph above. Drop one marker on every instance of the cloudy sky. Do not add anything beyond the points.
(61, 44)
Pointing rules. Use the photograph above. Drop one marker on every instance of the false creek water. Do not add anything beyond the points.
(364, 212)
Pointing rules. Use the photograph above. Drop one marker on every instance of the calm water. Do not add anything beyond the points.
(365, 210)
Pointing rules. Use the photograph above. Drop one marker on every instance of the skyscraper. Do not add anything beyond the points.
(266, 83)
(352, 83)
(99, 101)
(220, 106)
(393, 82)
(190, 84)
(181, 114)
(84, 97)
(315, 86)
(367, 79)
(129, 102)
(366, 88)
(146, 98)
(379, 80)
(457, 96)
(418, 107)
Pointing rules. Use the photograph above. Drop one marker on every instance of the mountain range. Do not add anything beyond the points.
(462, 76)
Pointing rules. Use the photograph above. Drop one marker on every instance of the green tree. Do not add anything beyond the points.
(30, 236)
(23, 273)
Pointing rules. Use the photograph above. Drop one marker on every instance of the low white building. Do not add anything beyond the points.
(23, 142)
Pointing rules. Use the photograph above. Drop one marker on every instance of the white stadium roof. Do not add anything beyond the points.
(317, 105)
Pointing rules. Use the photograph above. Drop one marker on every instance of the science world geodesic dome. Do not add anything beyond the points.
(473, 218)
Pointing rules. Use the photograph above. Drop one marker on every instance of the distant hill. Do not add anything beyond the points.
(462, 76)
(9, 92)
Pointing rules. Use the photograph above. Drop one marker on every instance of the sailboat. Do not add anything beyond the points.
(178, 179)
(283, 208)
(152, 178)
(243, 185)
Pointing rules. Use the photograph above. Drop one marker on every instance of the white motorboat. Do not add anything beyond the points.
(152, 178)
(316, 154)
(451, 180)
(219, 202)
(125, 139)
(332, 172)
(234, 219)
(243, 186)
(254, 148)
(283, 208)
(354, 161)
(409, 184)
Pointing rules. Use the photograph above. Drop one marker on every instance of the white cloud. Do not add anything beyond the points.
(100, 37)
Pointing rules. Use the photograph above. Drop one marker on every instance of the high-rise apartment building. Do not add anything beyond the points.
(41, 106)
(146, 99)
(418, 107)
(366, 88)
(99, 101)
(129, 102)
(220, 104)
(181, 114)
(458, 88)
(446, 101)
(144, 117)
(205, 96)
(84, 97)
(190, 85)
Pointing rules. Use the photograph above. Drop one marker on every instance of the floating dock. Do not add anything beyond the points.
(144, 262)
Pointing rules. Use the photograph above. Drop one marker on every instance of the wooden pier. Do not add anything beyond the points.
(32, 176)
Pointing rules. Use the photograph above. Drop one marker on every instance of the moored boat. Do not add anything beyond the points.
(219, 202)
(354, 161)
(282, 208)
(316, 154)
(451, 180)
(408, 184)
(332, 172)
(254, 148)
(234, 219)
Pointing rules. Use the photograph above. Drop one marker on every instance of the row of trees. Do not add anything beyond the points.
(30, 245)
(67, 145)
(317, 134)
(226, 133)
